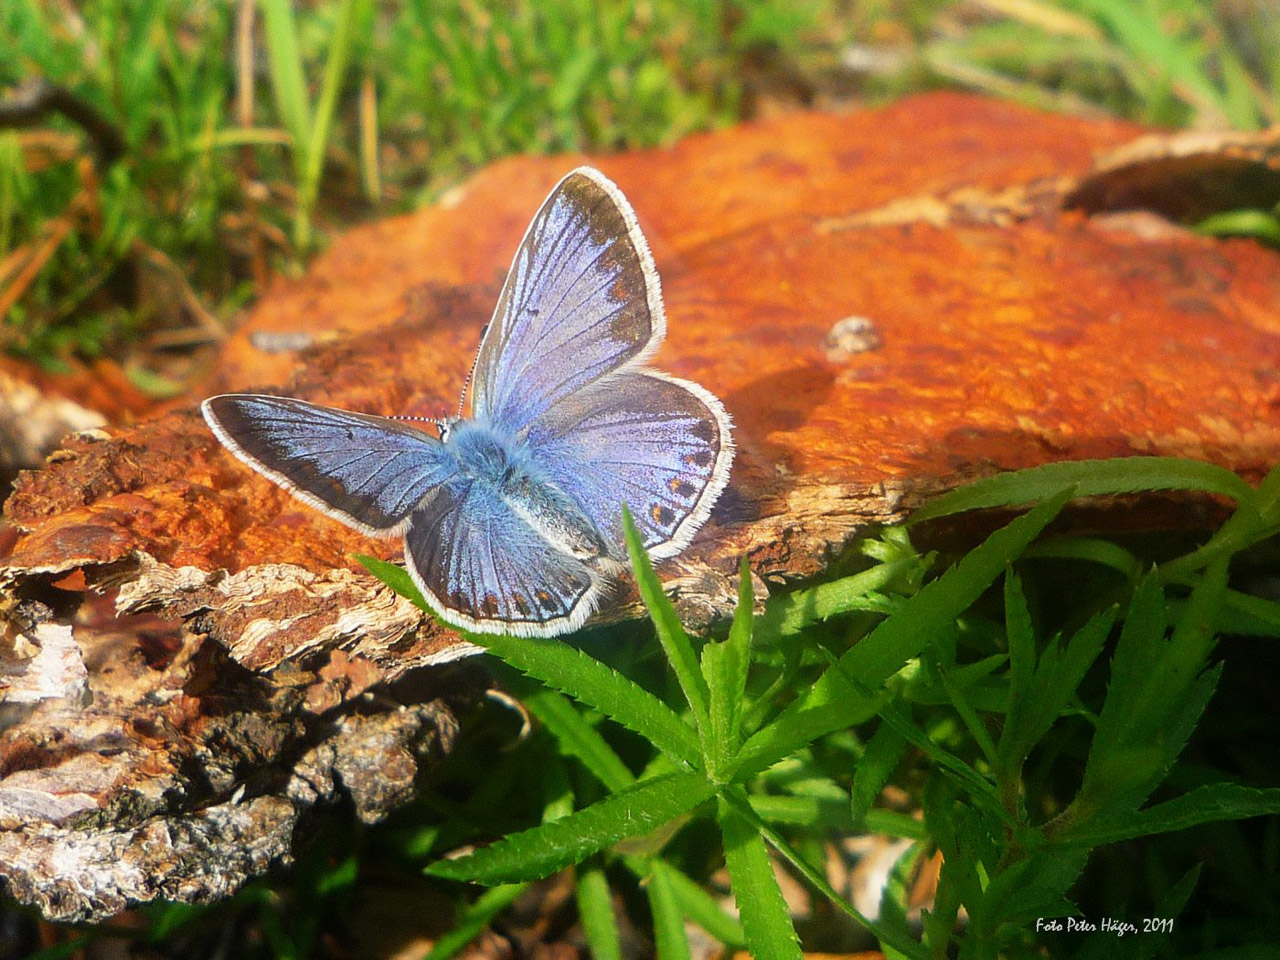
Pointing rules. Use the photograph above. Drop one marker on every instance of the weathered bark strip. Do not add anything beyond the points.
(888, 303)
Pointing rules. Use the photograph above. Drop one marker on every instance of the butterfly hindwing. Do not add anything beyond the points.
(369, 472)
(482, 566)
(582, 299)
(660, 444)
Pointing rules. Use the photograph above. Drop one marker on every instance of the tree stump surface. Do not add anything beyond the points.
(888, 302)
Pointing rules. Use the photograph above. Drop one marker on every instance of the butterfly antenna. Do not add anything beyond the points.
(441, 425)
(466, 384)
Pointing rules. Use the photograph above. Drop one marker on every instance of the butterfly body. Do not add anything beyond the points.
(512, 518)
(504, 470)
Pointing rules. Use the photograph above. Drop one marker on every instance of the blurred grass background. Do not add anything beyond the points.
(159, 161)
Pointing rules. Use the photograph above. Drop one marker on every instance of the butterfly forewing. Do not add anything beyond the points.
(581, 300)
(367, 471)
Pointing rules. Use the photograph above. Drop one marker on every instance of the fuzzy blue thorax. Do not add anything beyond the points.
(503, 469)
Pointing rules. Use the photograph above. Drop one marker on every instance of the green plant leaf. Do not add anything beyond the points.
(595, 910)
(699, 906)
(736, 798)
(724, 667)
(675, 642)
(832, 702)
(1090, 478)
(1209, 803)
(1258, 224)
(668, 923)
(541, 851)
(1037, 701)
(765, 921)
(571, 672)
(878, 761)
(474, 919)
(792, 612)
(671, 632)
(1156, 695)
(578, 738)
(1031, 887)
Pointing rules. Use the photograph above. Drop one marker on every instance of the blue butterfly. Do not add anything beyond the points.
(512, 519)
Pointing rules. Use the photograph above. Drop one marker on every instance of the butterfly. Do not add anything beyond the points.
(512, 517)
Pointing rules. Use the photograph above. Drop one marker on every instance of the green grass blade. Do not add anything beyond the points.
(335, 70)
(572, 672)
(832, 702)
(1091, 478)
(578, 738)
(284, 62)
(700, 907)
(675, 642)
(595, 910)
(541, 851)
(765, 921)
(474, 919)
(738, 653)
(668, 923)
(1242, 223)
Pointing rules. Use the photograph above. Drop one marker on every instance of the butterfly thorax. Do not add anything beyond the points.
(505, 467)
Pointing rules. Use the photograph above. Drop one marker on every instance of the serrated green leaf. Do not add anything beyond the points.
(878, 761)
(1036, 704)
(595, 910)
(474, 919)
(578, 738)
(668, 924)
(1207, 804)
(718, 740)
(790, 613)
(832, 702)
(765, 921)
(724, 667)
(700, 907)
(675, 642)
(1156, 696)
(541, 851)
(574, 673)
(736, 798)
(738, 651)
(1090, 478)
(1020, 636)
(1030, 888)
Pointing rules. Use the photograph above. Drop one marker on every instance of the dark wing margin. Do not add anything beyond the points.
(581, 300)
(483, 568)
(365, 471)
